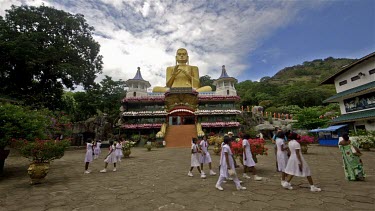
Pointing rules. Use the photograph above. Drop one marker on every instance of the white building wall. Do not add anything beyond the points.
(364, 67)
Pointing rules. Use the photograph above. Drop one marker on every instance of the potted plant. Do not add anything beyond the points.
(20, 122)
(126, 148)
(365, 139)
(304, 141)
(40, 153)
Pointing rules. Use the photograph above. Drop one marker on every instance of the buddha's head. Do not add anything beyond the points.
(182, 56)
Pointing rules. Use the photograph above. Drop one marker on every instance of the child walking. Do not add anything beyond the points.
(297, 165)
(195, 159)
(97, 149)
(205, 155)
(248, 161)
(88, 156)
(118, 151)
(281, 155)
(226, 165)
(110, 158)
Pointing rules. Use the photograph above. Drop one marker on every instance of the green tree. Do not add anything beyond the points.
(207, 81)
(44, 50)
(309, 118)
(105, 97)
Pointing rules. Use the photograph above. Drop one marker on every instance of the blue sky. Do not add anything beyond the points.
(341, 29)
(253, 39)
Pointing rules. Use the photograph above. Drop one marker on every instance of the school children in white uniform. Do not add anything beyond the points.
(194, 162)
(88, 156)
(118, 151)
(226, 165)
(248, 161)
(97, 149)
(281, 155)
(205, 155)
(297, 166)
(110, 158)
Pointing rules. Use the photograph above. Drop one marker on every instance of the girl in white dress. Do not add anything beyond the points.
(297, 165)
(226, 165)
(88, 156)
(195, 159)
(118, 151)
(205, 155)
(281, 155)
(110, 158)
(97, 150)
(248, 161)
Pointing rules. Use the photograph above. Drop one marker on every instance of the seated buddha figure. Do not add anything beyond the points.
(182, 75)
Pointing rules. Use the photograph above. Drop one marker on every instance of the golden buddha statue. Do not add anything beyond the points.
(182, 75)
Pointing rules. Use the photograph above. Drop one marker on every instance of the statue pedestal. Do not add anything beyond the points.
(181, 96)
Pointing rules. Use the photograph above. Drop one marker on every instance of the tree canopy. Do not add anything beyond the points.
(45, 50)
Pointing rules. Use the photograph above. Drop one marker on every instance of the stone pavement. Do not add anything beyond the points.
(158, 180)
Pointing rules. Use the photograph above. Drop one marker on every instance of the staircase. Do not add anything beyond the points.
(180, 135)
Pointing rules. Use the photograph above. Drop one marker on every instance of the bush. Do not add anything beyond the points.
(41, 150)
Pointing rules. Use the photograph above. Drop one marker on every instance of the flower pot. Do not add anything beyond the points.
(37, 172)
(3, 155)
(366, 146)
(126, 152)
(304, 148)
(217, 150)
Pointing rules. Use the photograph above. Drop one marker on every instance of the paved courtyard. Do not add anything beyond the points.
(158, 180)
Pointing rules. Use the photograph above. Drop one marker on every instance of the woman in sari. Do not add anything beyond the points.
(353, 165)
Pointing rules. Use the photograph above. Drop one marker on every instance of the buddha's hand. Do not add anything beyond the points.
(176, 71)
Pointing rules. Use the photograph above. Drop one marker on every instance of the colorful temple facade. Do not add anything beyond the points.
(180, 113)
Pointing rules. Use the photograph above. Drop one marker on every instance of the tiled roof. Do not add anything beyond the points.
(351, 92)
(361, 115)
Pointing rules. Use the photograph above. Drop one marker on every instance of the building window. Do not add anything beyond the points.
(227, 92)
(371, 71)
(355, 78)
(343, 82)
(134, 94)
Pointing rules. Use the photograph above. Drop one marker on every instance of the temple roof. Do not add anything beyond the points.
(224, 76)
(224, 73)
(138, 77)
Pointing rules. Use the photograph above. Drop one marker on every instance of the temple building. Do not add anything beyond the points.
(178, 112)
(355, 87)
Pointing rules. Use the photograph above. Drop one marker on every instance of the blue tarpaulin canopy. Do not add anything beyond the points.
(328, 129)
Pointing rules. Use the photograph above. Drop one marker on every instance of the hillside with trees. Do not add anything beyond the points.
(297, 85)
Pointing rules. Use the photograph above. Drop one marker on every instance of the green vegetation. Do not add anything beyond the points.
(297, 85)
(43, 51)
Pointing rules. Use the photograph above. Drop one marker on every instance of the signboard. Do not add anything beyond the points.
(360, 102)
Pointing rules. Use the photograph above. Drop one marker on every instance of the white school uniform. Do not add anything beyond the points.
(111, 158)
(205, 158)
(88, 156)
(249, 157)
(118, 151)
(282, 156)
(292, 166)
(97, 149)
(224, 167)
(194, 156)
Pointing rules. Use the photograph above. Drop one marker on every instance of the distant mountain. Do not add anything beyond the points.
(313, 71)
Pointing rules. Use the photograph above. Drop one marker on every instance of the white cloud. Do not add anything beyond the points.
(147, 34)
